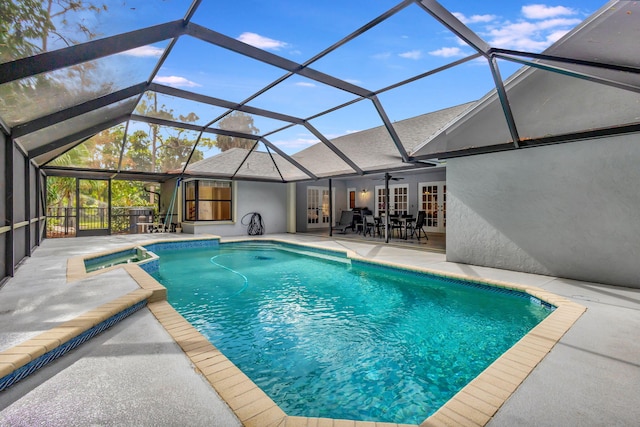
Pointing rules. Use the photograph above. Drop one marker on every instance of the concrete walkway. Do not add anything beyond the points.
(135, 374)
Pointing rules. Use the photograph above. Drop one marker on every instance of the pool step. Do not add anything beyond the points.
(323, 255)
(287, 248)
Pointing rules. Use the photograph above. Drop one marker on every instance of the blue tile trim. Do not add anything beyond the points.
(26, 370)
(183, 244)
(151, 267)
(454, 281)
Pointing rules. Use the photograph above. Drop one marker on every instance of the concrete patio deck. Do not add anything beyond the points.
(135, 374)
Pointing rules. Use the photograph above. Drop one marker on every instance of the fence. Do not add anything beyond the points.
(63, 222)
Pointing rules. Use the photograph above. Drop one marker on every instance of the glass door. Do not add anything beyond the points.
(398, 200)
(93, 207)
(318, 207)
(433, 200)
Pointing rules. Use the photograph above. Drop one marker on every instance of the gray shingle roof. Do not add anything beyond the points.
(258, 164)
(371, 149)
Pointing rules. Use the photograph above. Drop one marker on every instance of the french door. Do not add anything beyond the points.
(398, 199)
(432, 198)
(318, 207)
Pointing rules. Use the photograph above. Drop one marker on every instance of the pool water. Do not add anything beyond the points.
(327, 338)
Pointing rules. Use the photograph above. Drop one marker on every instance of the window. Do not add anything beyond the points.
(206, 200)
(351, 198)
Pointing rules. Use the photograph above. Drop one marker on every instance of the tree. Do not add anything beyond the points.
(102, 151)
(138, 155)
(63, 12)
(169, 147)
(27, 27)
(126, 193)
(23, 23)
(239, 122)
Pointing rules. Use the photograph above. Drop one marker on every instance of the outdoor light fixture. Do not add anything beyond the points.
(364, 191)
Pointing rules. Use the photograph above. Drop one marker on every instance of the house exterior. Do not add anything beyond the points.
(538, 176)
(306, 205)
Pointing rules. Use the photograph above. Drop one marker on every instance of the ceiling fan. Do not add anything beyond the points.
(388, 177)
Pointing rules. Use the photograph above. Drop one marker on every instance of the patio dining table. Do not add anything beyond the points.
(403, 222)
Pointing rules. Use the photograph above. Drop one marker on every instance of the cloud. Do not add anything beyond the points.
(305, 84)
(175, 81)
(262, 42)
(412, 54)
(447, 52)
(145, 52)
(294, 145)
(526, 35)
(382, 55)
(537, 27)
(541, 11)
(556, 35)
(474, 19)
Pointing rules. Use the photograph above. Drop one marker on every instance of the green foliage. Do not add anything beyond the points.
(27, 27)
(160, 149)
(166, 149)
(61, 191)
(22, 27)
(131, 193)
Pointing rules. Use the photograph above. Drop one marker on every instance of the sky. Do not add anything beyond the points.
(407, 44)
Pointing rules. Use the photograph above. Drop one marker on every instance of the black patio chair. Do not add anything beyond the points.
(370, 226)
(395, 225)
(417, 226)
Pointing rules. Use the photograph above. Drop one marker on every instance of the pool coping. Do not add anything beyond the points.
(474, 405)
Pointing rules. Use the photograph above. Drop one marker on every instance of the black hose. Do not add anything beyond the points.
(255, 225)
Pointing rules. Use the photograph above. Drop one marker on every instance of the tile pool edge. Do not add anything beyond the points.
(475, 404)
(21, 360)
(76, 269)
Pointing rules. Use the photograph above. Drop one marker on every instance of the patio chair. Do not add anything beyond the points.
(346, 221)
(370, 226)
(395, 225)
(417, 226)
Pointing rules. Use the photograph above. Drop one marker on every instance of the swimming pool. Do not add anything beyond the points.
(341, 339)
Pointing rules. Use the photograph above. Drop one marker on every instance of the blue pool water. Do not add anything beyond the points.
(326, 338)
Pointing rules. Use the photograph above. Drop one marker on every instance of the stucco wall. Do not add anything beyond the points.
(570, 210)
(268, 199)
